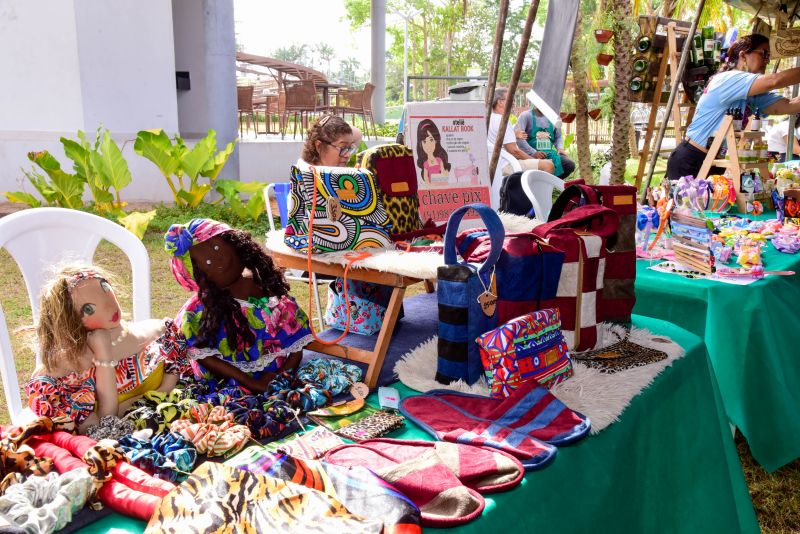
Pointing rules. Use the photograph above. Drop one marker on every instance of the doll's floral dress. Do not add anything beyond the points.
(279, 325)
(74, 395)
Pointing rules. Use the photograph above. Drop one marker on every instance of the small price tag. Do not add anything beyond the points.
(488, 302)
(359, 390)
(389, 398)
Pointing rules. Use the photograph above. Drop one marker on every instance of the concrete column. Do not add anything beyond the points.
(220, 76)
(378, 77)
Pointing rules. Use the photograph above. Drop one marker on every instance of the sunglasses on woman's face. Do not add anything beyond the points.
(764, 53)
(343, 150)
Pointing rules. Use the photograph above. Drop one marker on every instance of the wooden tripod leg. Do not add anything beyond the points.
(385, 336)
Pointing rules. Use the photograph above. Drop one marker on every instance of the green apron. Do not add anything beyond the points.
(550, 151)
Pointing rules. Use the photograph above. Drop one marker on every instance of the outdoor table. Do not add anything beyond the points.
(668, 465)
(750, 335)
(325, 89)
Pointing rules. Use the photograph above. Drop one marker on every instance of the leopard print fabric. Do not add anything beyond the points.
(373, 426)
(403, 211)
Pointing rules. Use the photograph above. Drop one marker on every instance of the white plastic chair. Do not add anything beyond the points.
(40, 238)
(294, 274)
(497, 182)
(538, 187)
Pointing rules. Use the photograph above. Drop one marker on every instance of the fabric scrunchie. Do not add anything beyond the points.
(212, 430)
(180, 238)
(167, 456)
(46, 503)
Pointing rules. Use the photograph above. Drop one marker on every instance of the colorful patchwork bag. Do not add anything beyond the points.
(393, 167)
(530, 347)
(582, 235)
(368, 303)
(620, 271)
(502, 277)
(348, 213)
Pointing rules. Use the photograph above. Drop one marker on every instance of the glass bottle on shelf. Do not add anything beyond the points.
(643, 43)
(640, 64)
(636, 84)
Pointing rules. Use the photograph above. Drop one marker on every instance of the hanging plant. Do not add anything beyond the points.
(595, 113)
(567, 117)
(604, 59)
(603, 36)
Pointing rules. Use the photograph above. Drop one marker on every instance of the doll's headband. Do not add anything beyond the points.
(180, 238)
(80, 276)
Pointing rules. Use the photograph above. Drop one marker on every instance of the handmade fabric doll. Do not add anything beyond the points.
(241, 325)
(94, 364)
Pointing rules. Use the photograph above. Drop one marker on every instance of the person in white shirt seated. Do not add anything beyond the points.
(778, 137)
(499, 103)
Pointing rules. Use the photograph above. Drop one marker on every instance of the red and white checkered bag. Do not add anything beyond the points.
(582, 235)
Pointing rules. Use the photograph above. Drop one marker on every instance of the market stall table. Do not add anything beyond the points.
(668, 465)
(751, 339)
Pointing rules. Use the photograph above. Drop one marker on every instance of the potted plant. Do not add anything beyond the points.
(567, 117)
(603, 36)
(595, 113)
(604, 59)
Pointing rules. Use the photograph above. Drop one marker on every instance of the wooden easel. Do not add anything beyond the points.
(732, 164)
(671, 57)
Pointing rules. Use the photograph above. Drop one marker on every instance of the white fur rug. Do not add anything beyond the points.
(600, 396)
(421, 265)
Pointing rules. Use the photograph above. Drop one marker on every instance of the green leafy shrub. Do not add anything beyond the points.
(177, 162)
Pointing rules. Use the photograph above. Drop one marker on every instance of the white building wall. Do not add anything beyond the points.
(189, 37)
(70, 65)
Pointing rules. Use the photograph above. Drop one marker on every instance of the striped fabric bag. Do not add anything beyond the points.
(582, 235)
(528, 424)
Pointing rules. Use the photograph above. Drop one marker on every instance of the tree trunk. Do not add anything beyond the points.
(620, 149)
(579, 77)
(668, 8)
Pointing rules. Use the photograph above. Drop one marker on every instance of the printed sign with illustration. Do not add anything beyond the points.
(449, 144)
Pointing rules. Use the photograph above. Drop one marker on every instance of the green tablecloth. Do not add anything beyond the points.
(669, 465)
(751, 339)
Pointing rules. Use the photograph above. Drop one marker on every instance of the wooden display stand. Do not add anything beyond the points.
(670, 57)
(735, 142)
(373, 358)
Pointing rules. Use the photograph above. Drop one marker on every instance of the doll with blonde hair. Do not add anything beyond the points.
(93, 363)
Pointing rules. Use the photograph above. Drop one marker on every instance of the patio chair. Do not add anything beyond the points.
(40, 238)
(538, 187)
(357, 102)
(244, 99)
(301, 97)
(281, 192)
(497, 182)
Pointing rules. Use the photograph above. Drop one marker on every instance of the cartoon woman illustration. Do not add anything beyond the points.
(431, 157)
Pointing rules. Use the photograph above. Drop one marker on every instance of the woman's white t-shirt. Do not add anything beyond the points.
(777, 134)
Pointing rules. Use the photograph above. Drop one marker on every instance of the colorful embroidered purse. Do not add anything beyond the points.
(530, 347)
(368, 303)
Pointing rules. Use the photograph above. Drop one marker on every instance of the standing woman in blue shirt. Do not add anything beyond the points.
(741, 83)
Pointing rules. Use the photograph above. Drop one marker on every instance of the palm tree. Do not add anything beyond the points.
(326, 54)
(620, 148)
(578, 62)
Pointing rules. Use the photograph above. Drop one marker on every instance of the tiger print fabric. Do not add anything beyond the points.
(358, 488)
(393, 167)
(217, 499)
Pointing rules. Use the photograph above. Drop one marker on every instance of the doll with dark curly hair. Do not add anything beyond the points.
(242, 326)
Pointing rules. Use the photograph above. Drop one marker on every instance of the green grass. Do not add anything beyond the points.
(775, 496)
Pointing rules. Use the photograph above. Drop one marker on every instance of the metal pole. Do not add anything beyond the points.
(512, 88)
(790, 139)
(673, 91)
(405, 64)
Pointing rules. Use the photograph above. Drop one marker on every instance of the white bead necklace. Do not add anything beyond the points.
(121, 334)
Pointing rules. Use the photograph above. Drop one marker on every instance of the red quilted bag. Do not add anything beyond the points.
(620, 269)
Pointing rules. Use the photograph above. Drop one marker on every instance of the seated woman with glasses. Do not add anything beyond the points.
(740, 84)
(330, 141)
